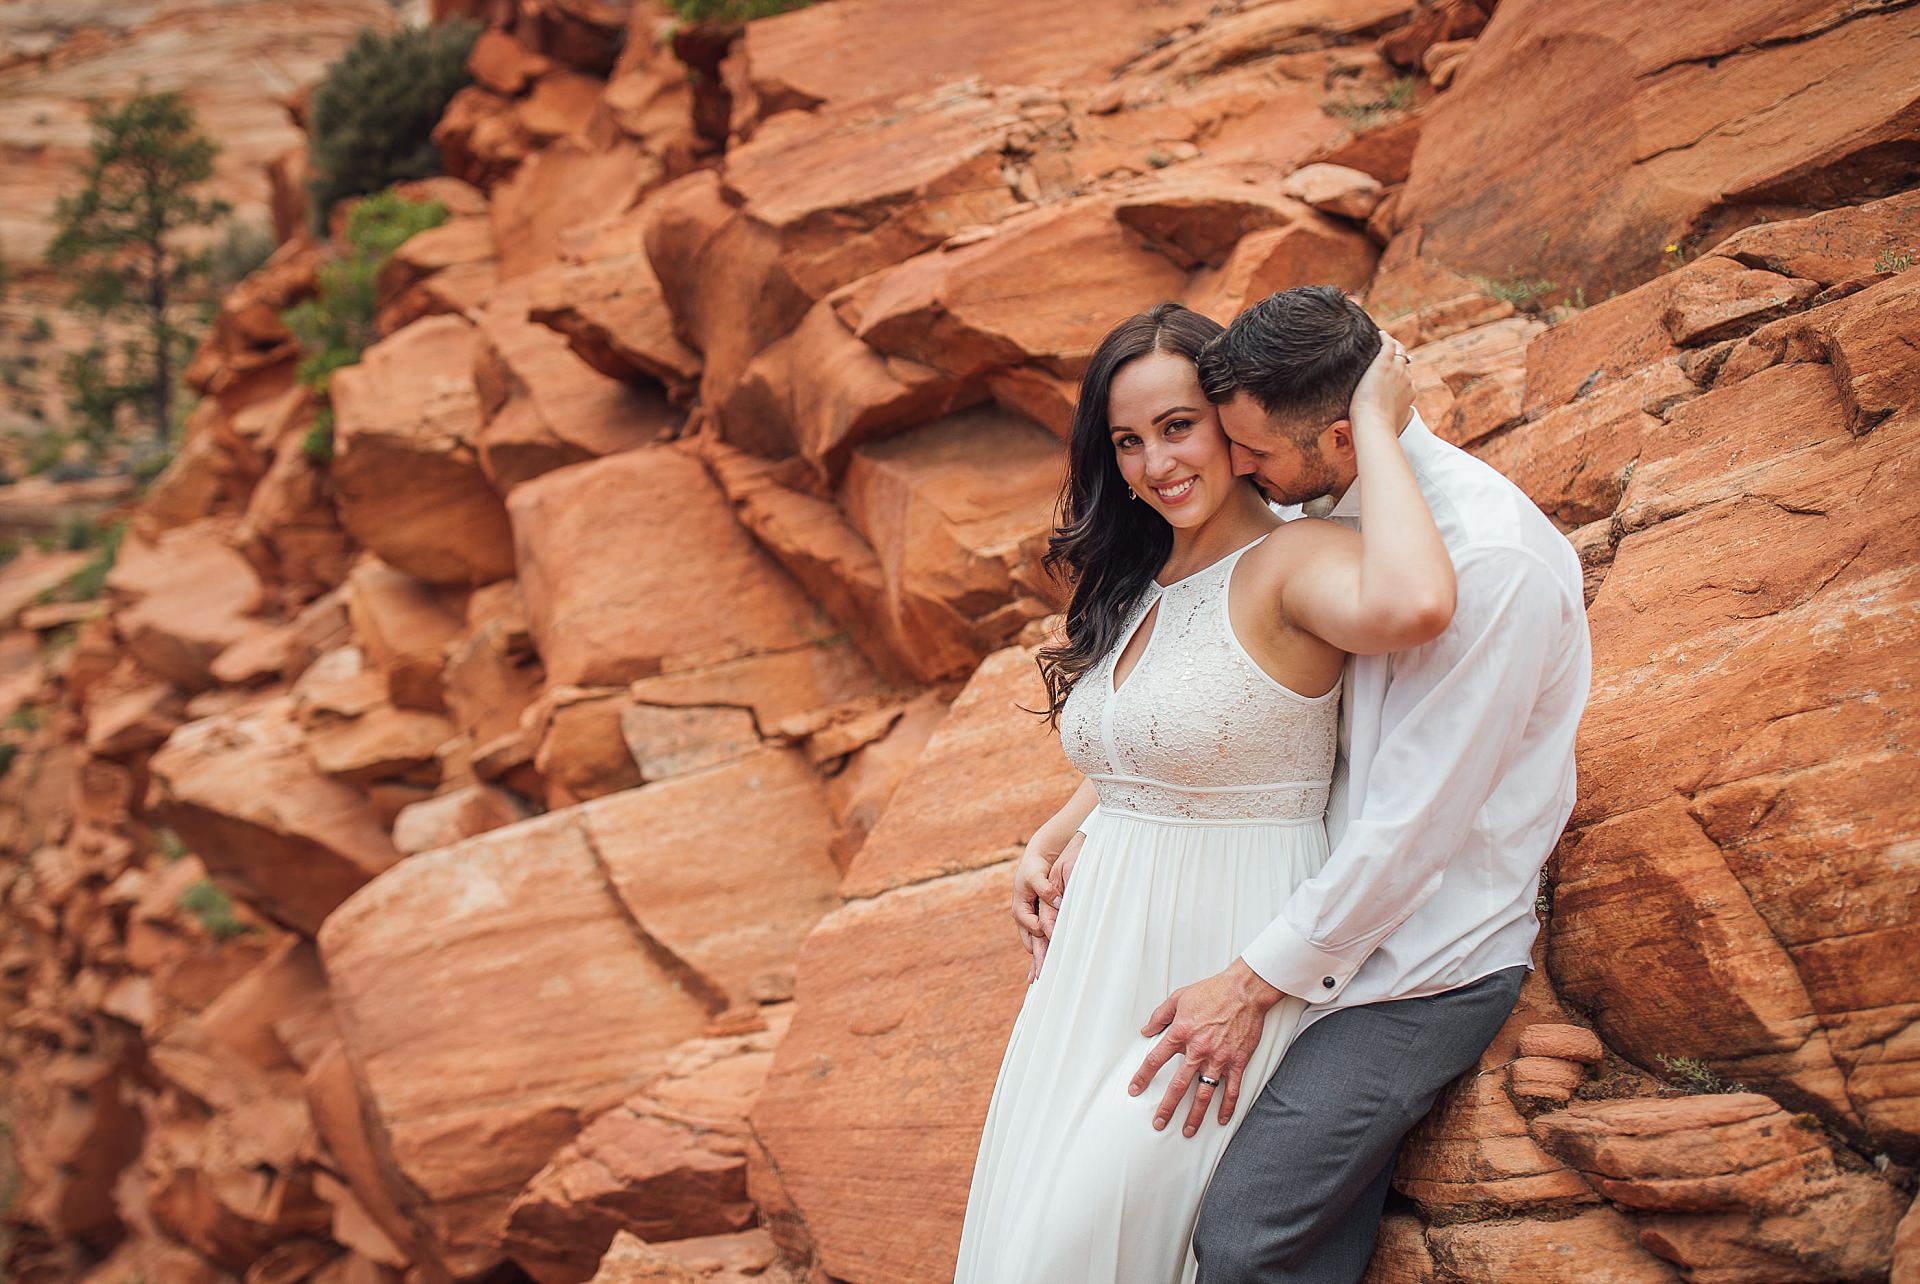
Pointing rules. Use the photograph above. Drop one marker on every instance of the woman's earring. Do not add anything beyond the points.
(1132, 493)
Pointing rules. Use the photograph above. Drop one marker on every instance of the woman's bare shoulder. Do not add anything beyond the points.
(1301, 537)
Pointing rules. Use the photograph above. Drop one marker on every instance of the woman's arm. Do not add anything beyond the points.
(1391, 587)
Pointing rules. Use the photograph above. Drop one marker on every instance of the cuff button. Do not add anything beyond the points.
(1327, 981)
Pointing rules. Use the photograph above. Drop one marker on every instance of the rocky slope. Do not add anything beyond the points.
(562, 836)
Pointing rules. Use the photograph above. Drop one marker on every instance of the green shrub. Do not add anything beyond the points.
(371, 119)
(214, 908)
(335, 326)
(731, 10)
(168, 844)
(238, 254)
(8, 752)
(91, 580)
(1692, 1075)
(317, 444)
(1364, 114)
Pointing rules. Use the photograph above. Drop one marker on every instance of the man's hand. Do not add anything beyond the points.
(1216, 1024)
(1384, 395)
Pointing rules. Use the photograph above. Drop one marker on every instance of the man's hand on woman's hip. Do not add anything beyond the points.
(1215, 1025)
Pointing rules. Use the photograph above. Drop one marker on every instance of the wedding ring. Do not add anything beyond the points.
(1211, 1083)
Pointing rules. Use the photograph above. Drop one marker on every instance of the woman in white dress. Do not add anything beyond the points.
(1198, 692)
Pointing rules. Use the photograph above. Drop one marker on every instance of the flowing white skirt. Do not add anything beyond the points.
(1072, 1184)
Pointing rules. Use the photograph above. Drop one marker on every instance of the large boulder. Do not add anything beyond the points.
(872, 1111)
(544, 406)
(184, 597)
(1681, 131)
(243, 793)
(620, 560)
(407, 471)
(1758, 582)
(540, 929)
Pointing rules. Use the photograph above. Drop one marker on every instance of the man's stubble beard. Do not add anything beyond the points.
(1316, 477)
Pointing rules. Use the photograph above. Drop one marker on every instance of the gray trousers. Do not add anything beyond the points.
(1297, 1196)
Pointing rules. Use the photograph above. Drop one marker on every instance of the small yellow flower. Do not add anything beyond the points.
(1670, 249)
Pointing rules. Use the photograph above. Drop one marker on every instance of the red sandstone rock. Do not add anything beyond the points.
(130, 711)
(289, 840)
(775, 689)
(669, 742)
(407, 475)
(957, 512)
(767, 813)
(403, 626)
(580, 751)
(614, 315)
(449, 817)
(1692, 1154)
(610, 600)
(1676, 128)
(845, 202)
(1335, 189)
(481, 137)
(25, 577)
(1594, 1244)
(616, 872)
(851, 56)
(943, 822)
(492, 673)
(1313, 251)
(467, 1111)
(669, 1163)
(566, 191)
(1441, 367)
(290, 530)
(1565, 1042)
(545, 407)
(876, 1161)
(448, 268)
(1832, 246)
(822, 392)
(1770, 651)
(1544, 1078)
(720, 275)
(969, 310)
(1575, 461)
(186, 597)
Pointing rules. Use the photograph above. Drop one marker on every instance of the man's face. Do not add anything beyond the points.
(1285, 472)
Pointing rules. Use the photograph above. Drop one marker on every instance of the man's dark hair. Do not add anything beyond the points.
(1297, 353)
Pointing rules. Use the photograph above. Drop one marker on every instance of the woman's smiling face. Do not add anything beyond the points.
(1167, 439)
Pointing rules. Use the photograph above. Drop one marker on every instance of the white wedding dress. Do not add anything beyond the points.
(1213, 787)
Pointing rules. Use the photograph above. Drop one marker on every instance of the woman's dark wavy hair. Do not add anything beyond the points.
(1106, 544)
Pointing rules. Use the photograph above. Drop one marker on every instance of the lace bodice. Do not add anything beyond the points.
(1199, 731)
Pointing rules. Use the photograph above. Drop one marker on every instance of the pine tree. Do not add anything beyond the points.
(117, 238)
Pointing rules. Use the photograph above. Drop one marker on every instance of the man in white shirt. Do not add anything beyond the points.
(1456, 776)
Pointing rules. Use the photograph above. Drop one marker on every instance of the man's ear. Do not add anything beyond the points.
(1336, 439)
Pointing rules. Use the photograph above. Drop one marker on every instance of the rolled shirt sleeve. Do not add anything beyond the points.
(1455, 716)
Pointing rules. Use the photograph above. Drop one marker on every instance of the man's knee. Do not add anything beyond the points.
(1235, 1248)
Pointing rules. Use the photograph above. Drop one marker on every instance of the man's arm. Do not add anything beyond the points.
(1457, 709)
(1460, 707)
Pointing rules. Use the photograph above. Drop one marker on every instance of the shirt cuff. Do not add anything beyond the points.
(1288, 962)
(1081, 828)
